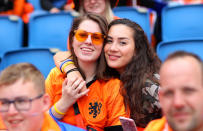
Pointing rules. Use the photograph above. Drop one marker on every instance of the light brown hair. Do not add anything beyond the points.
(108, 11)
(101, 21)
(25, 71)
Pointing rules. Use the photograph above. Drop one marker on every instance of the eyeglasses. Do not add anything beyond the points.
(21, 104)
(97, 38)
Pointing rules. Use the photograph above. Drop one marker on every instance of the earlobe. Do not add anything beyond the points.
(46, 102)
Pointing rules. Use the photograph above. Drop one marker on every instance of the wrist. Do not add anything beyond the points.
(71, 70)
(63, 104)
(69, 67)
(65, 64)
(58, 110)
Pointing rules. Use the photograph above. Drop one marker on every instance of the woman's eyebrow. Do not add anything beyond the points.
(121, 38)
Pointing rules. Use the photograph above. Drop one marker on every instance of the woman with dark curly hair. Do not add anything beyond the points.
(127, 50)
(130, 58)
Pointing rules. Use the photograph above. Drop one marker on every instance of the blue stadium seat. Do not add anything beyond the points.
(135, 14)
(49, 30)
(182, 22)
(11, 33)
(36, 4)
(194, 46)
(0, 63)
(42, 58)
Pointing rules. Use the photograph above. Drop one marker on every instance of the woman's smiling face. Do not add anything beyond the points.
(120, 47)
(87, 51)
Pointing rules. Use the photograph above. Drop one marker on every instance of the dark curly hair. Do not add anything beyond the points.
(144, 64)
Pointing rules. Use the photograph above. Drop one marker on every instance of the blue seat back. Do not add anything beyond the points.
(42, 58)
(182, 22)
(194, 46)
(36, 4)
(11, 33)
(49, 30)
(140, 17)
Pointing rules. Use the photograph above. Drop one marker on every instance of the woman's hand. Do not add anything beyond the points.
(72, 76)
(72, 91)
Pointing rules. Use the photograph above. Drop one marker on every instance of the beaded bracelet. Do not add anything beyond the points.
(68, 60)
(71, 70)
(57, 111)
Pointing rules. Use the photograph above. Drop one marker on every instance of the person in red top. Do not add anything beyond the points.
(181, 79)
(16, 7)
(23, 102)
(13, 7)
(187, 1)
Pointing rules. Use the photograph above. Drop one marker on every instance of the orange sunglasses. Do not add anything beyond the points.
(97, 38)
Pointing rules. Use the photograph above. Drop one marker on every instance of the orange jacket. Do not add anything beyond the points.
(49, 124)
(158, 125)
(2, 126)
(101, 108)
(190, 1)
(18, 6)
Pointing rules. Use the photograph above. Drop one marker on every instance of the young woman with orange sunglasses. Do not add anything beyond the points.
(99, 106)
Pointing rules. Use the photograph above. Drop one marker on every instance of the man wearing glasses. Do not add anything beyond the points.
(23, 101)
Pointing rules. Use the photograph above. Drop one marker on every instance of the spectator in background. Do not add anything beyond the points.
(55, 6)
(101, 7)
(12, 7)
(186, 1)
(23, 101)
(20, 8)
(16, 7)
(181, 94)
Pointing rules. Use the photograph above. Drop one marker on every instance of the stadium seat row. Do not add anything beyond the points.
(182, 29)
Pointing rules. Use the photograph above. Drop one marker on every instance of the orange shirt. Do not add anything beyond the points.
(101, 108)
(190, 1)
(158, 125)
(2, 126)
(48, 124)
(18, 7)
